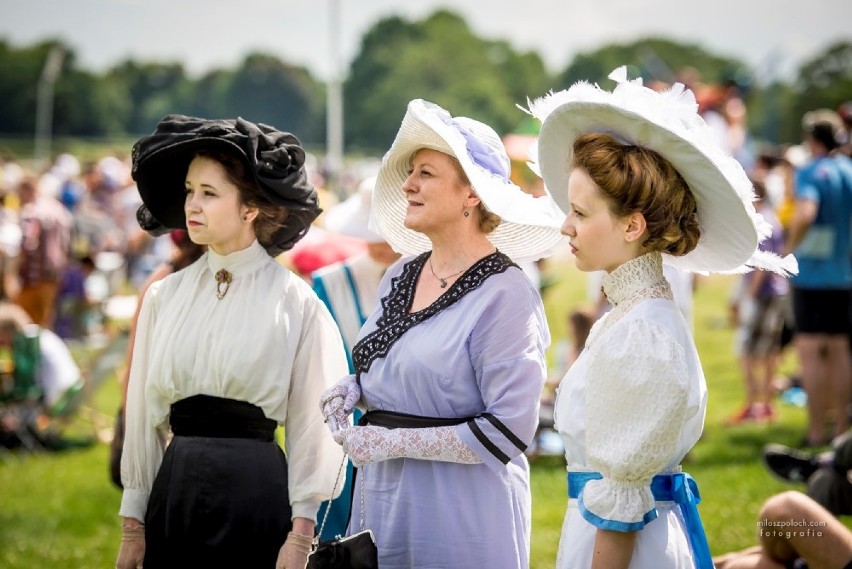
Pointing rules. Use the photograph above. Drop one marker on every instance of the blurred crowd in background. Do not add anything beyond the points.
(73, 257)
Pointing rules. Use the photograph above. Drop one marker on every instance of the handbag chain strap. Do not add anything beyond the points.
(316, 539)
(361, 483)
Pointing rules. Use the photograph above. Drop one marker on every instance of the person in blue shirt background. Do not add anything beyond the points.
(822, 291)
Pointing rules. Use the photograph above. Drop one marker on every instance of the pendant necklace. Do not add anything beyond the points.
(443, 280)
(223, 283)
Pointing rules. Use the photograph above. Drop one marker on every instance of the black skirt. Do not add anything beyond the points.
(220, 500)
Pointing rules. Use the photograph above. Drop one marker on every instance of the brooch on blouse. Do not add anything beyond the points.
(223, 283)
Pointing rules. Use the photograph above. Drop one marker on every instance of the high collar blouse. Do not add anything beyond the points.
(633, 403)
(268, 341)
(633, 277)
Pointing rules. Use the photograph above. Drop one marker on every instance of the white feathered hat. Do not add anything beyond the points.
(529, 227)
(668, 123)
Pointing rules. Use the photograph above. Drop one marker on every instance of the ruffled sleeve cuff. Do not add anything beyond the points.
(305, 509)
(134, 504)
(617, 506)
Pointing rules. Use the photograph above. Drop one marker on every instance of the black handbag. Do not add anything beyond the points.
(353, 552)
(357, 551)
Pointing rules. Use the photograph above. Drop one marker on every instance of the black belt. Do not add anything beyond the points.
(208, 416)
(393, 420)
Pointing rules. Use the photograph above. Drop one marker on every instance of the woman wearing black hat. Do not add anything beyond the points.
(226, 350)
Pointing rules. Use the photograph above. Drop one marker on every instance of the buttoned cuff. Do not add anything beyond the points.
(134, 504)
(305, 509)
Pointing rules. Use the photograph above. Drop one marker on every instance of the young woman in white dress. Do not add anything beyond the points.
(644, 185)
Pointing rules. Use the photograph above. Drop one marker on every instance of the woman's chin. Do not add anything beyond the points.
(411, 224)
(583, 266)
(197, 235)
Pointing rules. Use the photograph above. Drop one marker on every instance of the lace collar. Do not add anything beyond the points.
(238, 262)
(396, 318)
(633, 276)
(636, 280)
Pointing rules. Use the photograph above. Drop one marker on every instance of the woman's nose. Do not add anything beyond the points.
(408, 185)
(190, 204)
(567, 228)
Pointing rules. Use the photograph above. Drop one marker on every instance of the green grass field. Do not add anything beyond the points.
(58, 510)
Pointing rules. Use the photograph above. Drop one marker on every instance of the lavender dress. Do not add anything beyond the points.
(478, 351)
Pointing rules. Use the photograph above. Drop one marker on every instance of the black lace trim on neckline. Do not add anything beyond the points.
(396, 318)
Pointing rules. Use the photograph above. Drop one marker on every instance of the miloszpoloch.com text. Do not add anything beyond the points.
(790, 528)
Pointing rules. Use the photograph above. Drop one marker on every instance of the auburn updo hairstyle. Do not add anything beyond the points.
(635, 179)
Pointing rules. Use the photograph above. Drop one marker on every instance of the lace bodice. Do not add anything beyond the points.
(633, 404)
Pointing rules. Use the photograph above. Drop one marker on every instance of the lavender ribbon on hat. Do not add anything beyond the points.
(481, 153)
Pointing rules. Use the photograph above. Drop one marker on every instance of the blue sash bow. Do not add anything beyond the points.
(679, 488)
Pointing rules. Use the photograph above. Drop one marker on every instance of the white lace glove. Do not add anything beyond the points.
(338, 402)
(369, 444)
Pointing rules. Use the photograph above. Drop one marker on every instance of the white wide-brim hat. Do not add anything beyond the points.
(668, 123)
(529, 227)
(352, 216)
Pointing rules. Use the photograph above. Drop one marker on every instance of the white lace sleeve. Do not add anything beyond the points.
(636, 398)
(366, 445)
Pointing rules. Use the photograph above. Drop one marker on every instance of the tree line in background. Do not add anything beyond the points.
(438, 58)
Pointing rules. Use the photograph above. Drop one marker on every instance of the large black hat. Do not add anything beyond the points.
(276, 160)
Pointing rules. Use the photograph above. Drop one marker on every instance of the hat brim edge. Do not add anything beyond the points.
(728, 236)
(160, 177)
(532, 237)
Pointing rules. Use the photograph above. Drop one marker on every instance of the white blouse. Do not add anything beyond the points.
(269, 341)
(634, 402)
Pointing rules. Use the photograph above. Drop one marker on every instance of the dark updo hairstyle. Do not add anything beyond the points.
(635, 179)
(271, 216)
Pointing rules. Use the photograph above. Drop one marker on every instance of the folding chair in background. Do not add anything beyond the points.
(21, 397)
(28, 420)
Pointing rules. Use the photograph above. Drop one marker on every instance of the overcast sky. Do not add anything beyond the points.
(773, 36)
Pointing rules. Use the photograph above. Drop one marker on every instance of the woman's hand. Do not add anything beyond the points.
(338, 402)
(365, 445)
(294, 552)
(132, 550)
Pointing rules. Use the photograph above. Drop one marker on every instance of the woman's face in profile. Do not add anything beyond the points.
(436, 194)
(214, 212)
(596, 235)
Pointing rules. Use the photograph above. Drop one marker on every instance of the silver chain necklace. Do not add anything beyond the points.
(443, 280)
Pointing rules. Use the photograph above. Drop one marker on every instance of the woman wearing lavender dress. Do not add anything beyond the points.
(450, 366)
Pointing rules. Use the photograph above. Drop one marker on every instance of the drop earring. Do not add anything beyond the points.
(466, 213)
